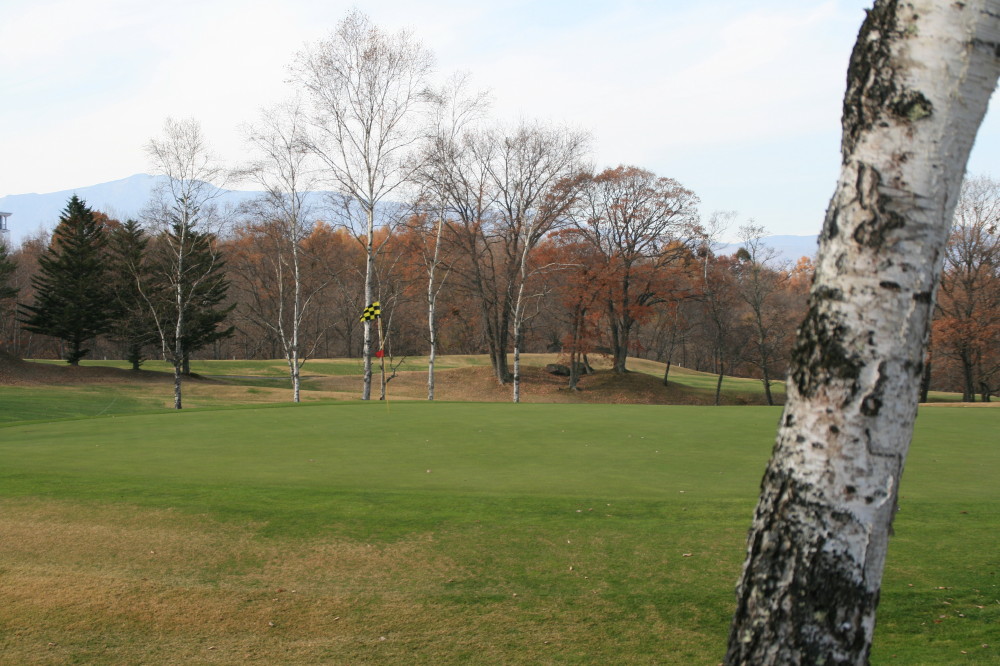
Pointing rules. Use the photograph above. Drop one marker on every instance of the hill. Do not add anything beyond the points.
(458, 378)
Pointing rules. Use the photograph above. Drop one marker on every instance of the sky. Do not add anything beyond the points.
(738, 101)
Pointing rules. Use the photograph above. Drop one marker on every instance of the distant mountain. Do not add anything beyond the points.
(120, 199)
(790, 248)
(125, 198)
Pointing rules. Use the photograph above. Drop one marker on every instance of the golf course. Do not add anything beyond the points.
(603, 526)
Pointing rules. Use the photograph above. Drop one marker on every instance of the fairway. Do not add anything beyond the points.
(447, 533)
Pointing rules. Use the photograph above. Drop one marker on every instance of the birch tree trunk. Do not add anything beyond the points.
(918, 84)
(432, 291)
(181, 155)
(366, 389)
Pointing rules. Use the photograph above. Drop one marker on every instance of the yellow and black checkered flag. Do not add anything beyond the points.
(373, 311)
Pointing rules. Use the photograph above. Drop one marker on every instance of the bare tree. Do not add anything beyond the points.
(758, 286)
(505, 190)
(968, 325)
(366, 88)
(918, 84)
(283, 170)
(455, 109)
(183, 208)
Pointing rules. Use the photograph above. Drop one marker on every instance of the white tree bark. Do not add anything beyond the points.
(919, 81)
(283, 170)
(183, 156)
(366, 87)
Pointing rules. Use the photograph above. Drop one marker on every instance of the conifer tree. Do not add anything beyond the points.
(71, 301)
(204, 287)
(7, 268)
(132, 288)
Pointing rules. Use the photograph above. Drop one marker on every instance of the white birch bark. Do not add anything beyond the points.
(432, 293)
(284, 172)
(366, 87)
(919, 81)
(183, 156)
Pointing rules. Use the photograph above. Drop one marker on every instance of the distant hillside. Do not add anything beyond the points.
(120, 199)
(125, 198)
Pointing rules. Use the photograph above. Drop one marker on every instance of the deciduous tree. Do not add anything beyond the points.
(759, 285)
(967, 328)
(640, 224)
(282, 168)
(365, 87)
(918, 84)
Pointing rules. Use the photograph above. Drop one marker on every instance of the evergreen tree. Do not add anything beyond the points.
(71, 296)
(132, 290)
(7, 268)
(203, 288)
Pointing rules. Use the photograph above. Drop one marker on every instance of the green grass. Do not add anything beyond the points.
(458, 533)
(30, 403)
(274, 373)
(279, 367)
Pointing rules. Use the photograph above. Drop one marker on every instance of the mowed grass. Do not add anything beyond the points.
(420, 533)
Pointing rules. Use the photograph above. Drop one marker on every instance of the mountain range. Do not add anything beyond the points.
(119, 199)
(125, 198)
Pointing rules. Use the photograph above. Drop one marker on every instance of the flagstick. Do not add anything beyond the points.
(381, 360)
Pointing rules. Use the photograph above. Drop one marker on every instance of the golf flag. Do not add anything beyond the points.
(373, 311)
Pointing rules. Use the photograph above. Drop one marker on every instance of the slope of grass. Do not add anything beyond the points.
(446, 533)
(686, 386)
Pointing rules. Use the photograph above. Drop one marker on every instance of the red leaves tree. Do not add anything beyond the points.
(967, 329)
(638, 224)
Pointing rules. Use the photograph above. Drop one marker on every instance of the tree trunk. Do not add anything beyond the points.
(294, 370)
(430, 328)
(296, 312)
(925, 380)
(517, 368)
(666, 372)
(767, 385)
(718, 387)
(968, 382)
(919, 81)
(366, 350)
(179, 329)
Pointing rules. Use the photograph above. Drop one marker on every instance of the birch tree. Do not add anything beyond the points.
(758, 285)
(454, 109)
(918, 84)
(183, 207)
(507, 188)
(366, 89)
(282, 168)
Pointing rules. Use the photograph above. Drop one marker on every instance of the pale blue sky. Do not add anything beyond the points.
(740, 101)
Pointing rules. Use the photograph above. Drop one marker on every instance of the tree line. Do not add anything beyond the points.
(638, 286)
(475, 237)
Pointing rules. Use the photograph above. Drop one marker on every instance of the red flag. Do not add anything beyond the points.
(379, 354)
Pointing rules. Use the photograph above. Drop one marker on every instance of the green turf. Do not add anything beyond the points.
(279, 367)
(652, 502)
(29, 403)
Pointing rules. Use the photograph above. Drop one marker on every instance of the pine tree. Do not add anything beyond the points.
(132, 291)
(7, 268)
(71, 301)
(203, 287)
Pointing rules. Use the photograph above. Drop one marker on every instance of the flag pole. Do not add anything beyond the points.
(381, 360)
